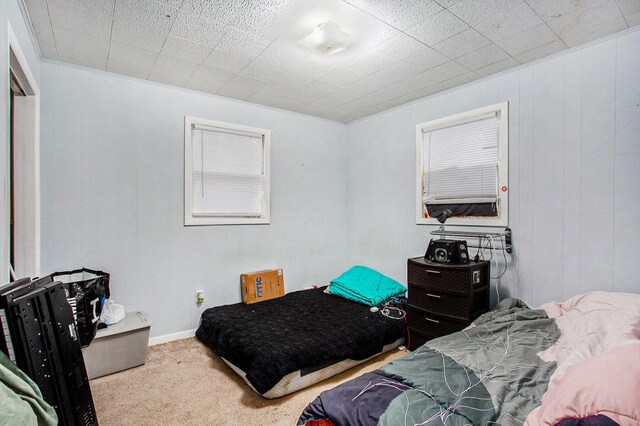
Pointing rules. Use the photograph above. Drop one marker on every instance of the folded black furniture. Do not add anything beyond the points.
(40, 336)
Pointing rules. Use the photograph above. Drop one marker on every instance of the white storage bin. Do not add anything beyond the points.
(119, 347)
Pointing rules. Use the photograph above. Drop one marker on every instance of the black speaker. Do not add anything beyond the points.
(447, 251)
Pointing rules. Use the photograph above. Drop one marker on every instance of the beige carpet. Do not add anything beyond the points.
(183, 383)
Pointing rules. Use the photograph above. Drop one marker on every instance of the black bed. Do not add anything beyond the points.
(304, 331)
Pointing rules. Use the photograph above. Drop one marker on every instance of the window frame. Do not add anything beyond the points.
(503, 166)
(192, 220)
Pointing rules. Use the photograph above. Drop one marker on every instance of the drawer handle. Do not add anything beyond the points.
(432, 320)
(431, 271)
(435, 296)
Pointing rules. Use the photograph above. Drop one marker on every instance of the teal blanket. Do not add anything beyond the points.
(21, 402)
(366, 286)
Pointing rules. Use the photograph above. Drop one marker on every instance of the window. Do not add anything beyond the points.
(226, 173)
(462, 168)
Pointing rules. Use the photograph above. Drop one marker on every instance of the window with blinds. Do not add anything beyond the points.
(462, 167)
(226, 173)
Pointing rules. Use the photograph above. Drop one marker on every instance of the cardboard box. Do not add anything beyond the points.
(262, 285)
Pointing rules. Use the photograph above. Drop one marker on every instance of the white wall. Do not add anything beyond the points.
(10, 16)
(574, 173)
(112, 188)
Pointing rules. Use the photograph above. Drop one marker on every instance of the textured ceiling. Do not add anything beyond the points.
(248, 49)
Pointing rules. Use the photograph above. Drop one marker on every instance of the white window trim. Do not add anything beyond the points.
(189, 218)
(503, 166)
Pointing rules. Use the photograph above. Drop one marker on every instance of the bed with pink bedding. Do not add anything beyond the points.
(575, 363)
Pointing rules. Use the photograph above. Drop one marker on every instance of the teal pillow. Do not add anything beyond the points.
(364, 285)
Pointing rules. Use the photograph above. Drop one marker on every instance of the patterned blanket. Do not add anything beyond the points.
(489, 373)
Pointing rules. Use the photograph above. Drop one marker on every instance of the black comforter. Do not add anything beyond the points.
(302, 330)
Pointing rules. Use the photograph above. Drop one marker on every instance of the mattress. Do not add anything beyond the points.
(301, 379)
(570, 363)
(304, 331)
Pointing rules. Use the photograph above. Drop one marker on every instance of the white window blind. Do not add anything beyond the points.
(461, 162)
(228, 172)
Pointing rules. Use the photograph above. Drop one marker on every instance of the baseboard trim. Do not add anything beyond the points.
(171, 337)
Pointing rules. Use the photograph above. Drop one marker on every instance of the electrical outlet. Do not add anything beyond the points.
(199, 296)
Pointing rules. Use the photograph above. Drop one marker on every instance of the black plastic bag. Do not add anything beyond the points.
(87, 290)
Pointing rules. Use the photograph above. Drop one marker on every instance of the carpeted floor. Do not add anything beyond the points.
(184, 383)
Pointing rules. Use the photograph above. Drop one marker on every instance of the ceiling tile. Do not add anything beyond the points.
(341, 77)
(540, 52)
(265, 23)
(171, 77)
(383, 95)
(227, 61)
(457, 81)
(581, 20)
(241, 87)
(385, 54)
(321, 105)
(447, 3)
(272, 91)
(496, 67)
(262, 71)
(222, 11)
(293, 80)
(595, 32)
(198, 29)
(285, 104)
(473, 11)
(181, 49)
(482, 57)
(81, 49)
(313, 66)
(437, 28)
(39, 17)
(400, 14)
(633, 19)
(367, 85)
(130, 60)
(167, 64)
(173, 3)
(142, 23)
(283, 53)
(628, 7)
(242, 42)
(527, 40)
(317, 89)
(462, 43)
(48, 50)
(204, 85)
(506, 22)
(213, 75)
(344, 95)
(80, 20)
(422, 60)
(295, 8)
(433, 76)
(552, 9)
(104, 7)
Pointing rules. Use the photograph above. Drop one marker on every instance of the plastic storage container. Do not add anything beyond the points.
(119, 347)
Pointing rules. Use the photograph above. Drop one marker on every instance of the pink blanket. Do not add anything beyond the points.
(598, 358)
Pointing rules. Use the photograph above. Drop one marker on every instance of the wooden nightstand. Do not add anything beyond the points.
(444, 298)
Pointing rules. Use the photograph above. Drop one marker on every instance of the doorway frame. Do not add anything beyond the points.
(28, 160)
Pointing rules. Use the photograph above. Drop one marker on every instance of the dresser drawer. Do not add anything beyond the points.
(438, 278)
(432, 325)
(417, 339)
(439, 303)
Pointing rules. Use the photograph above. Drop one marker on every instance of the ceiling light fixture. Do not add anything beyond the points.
(328, 38)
